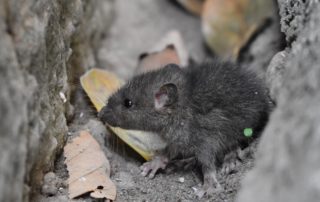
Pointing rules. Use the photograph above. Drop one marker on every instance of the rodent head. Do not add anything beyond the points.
(148, 102)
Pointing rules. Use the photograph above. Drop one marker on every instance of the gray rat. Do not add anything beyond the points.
(200, 111)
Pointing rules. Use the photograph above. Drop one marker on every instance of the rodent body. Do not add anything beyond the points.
(200, 111)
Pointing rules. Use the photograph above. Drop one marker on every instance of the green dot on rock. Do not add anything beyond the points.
(248, 132)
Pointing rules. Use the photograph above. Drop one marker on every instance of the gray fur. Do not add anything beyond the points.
(215, 102)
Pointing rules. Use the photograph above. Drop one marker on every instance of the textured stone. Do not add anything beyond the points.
(36, 62)
(293, 16)
(51, 184)
(275, 71)
(288, 158)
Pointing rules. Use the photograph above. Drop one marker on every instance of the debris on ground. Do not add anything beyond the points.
(89, 169)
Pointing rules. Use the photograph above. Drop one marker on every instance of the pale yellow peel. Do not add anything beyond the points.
(99, 85)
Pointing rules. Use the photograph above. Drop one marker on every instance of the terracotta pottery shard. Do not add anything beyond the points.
(170, 49)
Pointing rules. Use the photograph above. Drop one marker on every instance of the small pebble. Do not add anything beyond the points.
(81, 115)
(63, 97)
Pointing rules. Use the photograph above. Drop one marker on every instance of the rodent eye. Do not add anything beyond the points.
(127, 103)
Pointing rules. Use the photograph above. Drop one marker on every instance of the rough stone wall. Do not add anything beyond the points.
(288, 159)
(42, 44)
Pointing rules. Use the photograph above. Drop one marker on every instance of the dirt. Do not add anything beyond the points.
(177, 185)
(125, 173)
(132, 186)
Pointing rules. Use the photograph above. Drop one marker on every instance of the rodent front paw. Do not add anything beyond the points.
(150, 168)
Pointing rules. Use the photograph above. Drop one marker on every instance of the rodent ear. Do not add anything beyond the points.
(166, 96)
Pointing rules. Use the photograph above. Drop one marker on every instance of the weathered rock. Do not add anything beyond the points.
(288, 158)
(294, 14)
(274, 77)
(51, 184)
(37, 40)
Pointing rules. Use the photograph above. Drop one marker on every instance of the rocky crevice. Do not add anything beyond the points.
(37, 52)
(287, 161)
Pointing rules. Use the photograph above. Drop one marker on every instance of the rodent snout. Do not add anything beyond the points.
(102, 113)
(106, 115)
